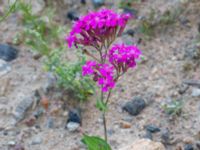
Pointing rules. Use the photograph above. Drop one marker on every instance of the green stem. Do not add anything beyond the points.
(105, 126)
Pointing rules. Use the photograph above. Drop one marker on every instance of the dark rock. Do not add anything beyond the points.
(192, 52)
(148, 135)
(130, 32)
(98, 3)
(198, 145)
(83, 2)
(135, 106)
(183, 88)
(152, 128)
(130, 11)
(165, 135)
(38, 113)
(22, 108)
(50, 122)
(188, 147)
(199, 27)
(7, 52)
(72, 15)
(74, 116)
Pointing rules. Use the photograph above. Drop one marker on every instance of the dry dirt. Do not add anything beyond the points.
(157, 79)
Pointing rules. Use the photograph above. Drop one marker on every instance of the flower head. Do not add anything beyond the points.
(103, 74)
(123, 56)
(96, 27)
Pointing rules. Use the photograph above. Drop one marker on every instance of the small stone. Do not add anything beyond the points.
(30, 121)
(7, 52)
(188, 140)
(179, 147)
(4, 68)
(98, 3)
(196, 92)
(148, 135)
(74, 116)
(188, 147)
(11, 143)
(135, 106)
(72, 126)
(183, 88)
(36, 140)
(165, 135)
(38, 113)
(144, 144)
(125, 125)
(83, 2)
(130, 11)
(198, 145)
(72, 15)
(130, 32)
(152, 128)
(65, 113)
(199, 27)
(22, 108)
(50, 122)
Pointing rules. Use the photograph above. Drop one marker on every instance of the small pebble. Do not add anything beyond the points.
(196, 92)
(36, 141)
(4, 68)
(135, 106)
(165, 135)
(50, 122)
(74, 116)
(72, 126)
(7, 52)
(83, 2)
(125, 125)
(11, 143)
(98, 3)
(72, 15)
(152, 128)
(188, 147)
(188, 140)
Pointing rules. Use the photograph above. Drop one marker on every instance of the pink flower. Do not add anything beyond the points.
(103, 74)
(123, 56)
(97, 27)
(88, 68)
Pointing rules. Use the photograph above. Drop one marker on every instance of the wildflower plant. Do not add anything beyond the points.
(96, 33)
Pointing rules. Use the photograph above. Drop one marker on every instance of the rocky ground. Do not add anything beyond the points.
(169, 71)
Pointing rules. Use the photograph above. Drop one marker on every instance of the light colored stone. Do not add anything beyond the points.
(4, 67)
(144, 144)
(73, 126)
(196, 92)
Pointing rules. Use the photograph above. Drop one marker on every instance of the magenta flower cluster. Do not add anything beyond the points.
(103, 74)
(123, 56)
(96, 27)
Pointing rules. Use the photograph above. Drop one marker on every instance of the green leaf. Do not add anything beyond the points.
(95, 143)
(101, 105)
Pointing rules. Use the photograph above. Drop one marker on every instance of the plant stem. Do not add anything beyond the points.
(105, 126)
